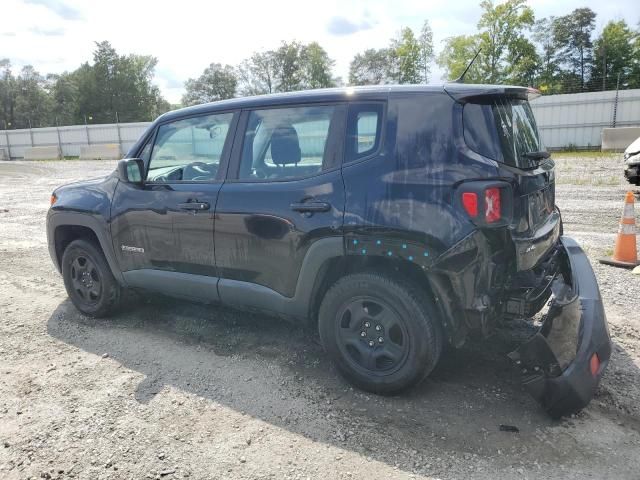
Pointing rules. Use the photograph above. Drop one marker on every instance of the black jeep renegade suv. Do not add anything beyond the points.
(392, 219)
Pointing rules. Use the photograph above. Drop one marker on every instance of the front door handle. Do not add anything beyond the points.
(310, 207)
(194, 206)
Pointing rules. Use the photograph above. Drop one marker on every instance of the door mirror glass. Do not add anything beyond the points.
(131, 170)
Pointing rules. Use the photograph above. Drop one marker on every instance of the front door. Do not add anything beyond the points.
(283, 193)
(163, 231)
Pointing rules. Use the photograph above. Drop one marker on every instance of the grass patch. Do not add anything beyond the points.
(592, 154)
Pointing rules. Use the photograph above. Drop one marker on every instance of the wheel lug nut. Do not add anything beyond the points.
(371, 343)
(363, 334)
(378, 328)
(380, 340)
(367, 324)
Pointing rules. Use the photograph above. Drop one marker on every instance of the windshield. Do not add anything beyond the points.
(503, 129)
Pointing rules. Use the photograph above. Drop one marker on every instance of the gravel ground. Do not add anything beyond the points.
(175, 390)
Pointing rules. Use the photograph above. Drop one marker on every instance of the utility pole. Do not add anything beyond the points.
(58, 132)
(6, 134)
(604, 67)
(30, 133)
(615, 104)
(118, 130)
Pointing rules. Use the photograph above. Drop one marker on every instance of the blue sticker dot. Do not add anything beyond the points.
(355, 242)
(389, 253)
(425, 254)
(411, 258)
(404, 245)
(364, 250)
(378, 242)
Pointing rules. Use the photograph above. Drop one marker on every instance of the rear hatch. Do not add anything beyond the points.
(500, 125)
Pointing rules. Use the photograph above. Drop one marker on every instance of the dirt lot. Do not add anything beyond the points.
(174, 390)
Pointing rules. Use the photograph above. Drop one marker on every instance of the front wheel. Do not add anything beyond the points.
(382, 333)
(88, 280)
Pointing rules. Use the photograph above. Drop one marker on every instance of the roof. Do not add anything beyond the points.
(456, 90)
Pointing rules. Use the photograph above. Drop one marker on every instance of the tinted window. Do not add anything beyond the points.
(364, 127)
(286, 143)
(502, 129)
(189, 149)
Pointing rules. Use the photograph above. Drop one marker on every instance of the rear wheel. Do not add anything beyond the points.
(88, 280)
(381, 332)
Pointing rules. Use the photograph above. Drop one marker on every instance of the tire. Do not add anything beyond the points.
(381, 332)
(88, 280)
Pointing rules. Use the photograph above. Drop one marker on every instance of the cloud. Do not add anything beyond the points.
(8, 34)
(59, 8)
(170, 79)
(47, 32)
(343, 26)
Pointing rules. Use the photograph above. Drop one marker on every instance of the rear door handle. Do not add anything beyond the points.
(194, 206)
(310, 207)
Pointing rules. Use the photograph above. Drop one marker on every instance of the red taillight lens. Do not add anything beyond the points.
(470, 203)
(594, 364)
(492, 207)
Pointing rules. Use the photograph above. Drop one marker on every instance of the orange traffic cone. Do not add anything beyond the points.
(625, 253)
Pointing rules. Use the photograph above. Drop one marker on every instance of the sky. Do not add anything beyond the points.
(187, 35)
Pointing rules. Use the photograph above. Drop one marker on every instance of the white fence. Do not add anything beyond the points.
(571, 120)
(71, 139)
(577, 119)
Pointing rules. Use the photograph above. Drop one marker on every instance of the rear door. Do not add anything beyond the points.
(163, 231)
(284, 192)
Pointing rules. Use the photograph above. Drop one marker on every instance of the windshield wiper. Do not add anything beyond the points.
(537, 155)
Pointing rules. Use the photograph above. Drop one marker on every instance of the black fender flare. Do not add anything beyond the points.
(98, 226)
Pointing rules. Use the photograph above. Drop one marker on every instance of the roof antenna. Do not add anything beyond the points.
(460, 79)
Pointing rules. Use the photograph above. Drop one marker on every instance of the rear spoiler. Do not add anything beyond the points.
(463, 93)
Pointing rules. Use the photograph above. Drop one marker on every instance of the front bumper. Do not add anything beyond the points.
(557, 364)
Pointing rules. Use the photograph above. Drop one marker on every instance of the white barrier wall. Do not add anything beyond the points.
(71, 139)
(577, 119)
(571, 120)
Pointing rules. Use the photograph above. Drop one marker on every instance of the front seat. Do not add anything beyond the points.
(285, 146)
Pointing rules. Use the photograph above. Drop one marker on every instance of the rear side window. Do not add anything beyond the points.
(502, 129)
(364, 126)
(288, 143)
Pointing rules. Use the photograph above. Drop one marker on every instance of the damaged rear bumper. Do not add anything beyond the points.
(561, 365)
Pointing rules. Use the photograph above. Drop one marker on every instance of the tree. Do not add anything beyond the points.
(8, 94)
(506, 54)
(370, 67)
(288, 61)
(613, 55)
(408, 55)
(426, 50)
(572, 35)
(457, 53)
(502, 30)
(119, 84)
(317, 67)
(217, 82)
(32, 104)
(64, 96)
(548, 67)
(256, 75)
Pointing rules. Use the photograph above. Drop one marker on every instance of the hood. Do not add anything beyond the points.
(634, 147)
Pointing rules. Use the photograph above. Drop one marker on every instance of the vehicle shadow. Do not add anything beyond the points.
(266, 369)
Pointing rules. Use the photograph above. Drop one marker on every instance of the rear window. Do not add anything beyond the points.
(503, 129)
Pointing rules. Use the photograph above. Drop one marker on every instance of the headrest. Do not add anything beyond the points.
(285, 147)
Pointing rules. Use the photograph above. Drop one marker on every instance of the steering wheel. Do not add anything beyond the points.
(197, 171)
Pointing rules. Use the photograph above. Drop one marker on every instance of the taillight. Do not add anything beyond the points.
(470, 203)
(492, 207)
(53, 199)
(488, 203)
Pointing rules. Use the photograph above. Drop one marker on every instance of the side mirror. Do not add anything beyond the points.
(131, 170)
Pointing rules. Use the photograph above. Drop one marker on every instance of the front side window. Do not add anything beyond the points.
(287, 143)
(189, 149)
